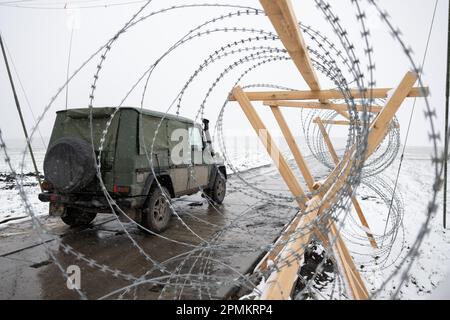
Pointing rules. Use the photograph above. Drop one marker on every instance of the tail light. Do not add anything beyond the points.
(47, 186)
(124, 190)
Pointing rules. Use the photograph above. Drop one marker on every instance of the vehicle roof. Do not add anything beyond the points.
(107, 111)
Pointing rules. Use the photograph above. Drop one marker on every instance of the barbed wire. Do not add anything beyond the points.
(342, 67)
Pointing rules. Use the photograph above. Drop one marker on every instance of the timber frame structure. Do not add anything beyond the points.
(281, 282)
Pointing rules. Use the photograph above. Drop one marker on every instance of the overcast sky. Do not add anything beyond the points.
(38, 37)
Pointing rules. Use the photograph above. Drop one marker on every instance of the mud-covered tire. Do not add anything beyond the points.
(156, 212)
(218, 190)
(69, 164)
(77, 218)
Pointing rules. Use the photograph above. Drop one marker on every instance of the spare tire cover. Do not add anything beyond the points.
(69, 164)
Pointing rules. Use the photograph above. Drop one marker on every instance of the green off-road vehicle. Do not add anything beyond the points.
(182, 160)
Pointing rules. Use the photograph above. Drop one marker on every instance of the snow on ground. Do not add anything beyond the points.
(433, 265)
(11, 203)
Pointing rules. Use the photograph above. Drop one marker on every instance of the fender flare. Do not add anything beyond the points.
(151, 179)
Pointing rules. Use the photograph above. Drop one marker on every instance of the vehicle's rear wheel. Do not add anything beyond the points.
(156, 213)
(219, 189)
(76, 217)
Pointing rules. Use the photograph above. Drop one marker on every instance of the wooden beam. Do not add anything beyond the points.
(355, 202)
(356, 284)
(328, 94)
(380, 126)
(299, 159)
(282, 16)
(281, 282)
(318, 105)
(345, 114)
(261, 130)
(342, 123)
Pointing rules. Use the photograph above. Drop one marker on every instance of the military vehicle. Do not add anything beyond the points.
(140, 183)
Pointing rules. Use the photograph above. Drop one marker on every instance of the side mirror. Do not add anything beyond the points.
(205, 124)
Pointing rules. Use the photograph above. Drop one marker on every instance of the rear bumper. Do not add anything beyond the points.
(88, 202)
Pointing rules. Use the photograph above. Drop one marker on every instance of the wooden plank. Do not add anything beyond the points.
(344, 123)
(282, 16)
(261, 130)
(299, 159)
(355, 202)
(279, 244)
(321, 106)
(349, 269)
(281, 282)
(345, 114)
(381, 93)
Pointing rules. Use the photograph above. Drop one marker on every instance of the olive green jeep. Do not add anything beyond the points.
(146, 158)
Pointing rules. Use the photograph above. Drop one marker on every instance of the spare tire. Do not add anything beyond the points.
(69, 164)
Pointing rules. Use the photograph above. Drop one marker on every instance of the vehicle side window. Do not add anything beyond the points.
(150, 126)
(195, 138)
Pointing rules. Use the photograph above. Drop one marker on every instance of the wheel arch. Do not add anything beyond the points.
(152, 181)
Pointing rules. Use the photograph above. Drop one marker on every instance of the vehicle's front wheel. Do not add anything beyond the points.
(76, 217)
(156, 213)
(219, 189)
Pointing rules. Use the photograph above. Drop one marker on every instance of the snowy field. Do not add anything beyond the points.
(433, 265)
(415, 187)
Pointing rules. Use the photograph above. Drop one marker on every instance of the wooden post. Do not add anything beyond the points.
(282, 16)
(280, 283)
(294, 148)
(355, 202)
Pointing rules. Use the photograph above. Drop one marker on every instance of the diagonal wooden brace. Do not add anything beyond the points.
(271, 147)
(355, 202)
(281, 283)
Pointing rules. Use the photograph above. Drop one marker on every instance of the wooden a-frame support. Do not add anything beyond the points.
(280, 283)
(291, 245)
(298, 157)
